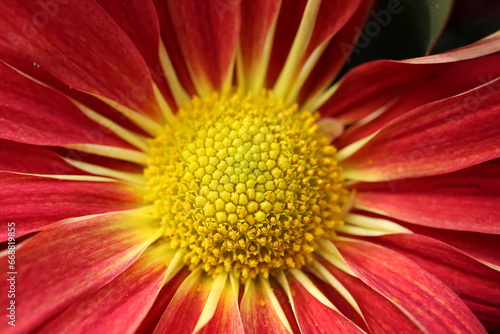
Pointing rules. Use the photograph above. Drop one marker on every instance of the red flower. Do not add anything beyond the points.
(161, 171)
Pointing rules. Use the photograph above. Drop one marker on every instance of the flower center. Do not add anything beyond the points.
(244, 184)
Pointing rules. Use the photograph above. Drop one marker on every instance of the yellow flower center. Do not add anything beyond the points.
(244, 184)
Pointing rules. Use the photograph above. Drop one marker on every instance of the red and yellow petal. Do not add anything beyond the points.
(207, 33)
(257, 32)
(191, 295)
(80, 49)
(332, 17)
(261, 311)
(173, 49)
(465, 200)
(226, 317)
(379, 313)
(288, 22)
(294, 60)
(475, 283)
(313, 311)
(437, 138)
(36, 114)
(334, 56)
(34, 202)
(139, 21)
(213, 305)
(68, 262)
(131, 293)
(161, 302)
(433, 306)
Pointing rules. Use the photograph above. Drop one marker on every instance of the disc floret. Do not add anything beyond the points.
(244, 184)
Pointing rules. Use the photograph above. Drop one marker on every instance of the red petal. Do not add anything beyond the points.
(480, 246)
(473, 282)
(131, 294)
(161, 302)
(208, 35)
(436, 138)
(332, 16)
(465, 200)
(139, 20)
(35, 202)
(379, 313)
(79, 43)
(187, 304)
(22, 158)
(368, 87)
(59, 266)
(31, 69)
(315, 317)
(257, 310)
(35, 114)
(428, 300)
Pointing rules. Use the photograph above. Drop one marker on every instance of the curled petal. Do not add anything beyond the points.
(477, 245)
(442, 82)
(362, 91)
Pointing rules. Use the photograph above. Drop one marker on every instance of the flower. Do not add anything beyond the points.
(164, 169)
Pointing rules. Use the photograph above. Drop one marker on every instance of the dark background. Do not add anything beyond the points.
(470, 20)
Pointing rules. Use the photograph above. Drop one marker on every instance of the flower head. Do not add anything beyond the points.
(187, 166)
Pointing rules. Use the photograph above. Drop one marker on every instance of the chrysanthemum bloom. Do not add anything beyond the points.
(185, 166)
